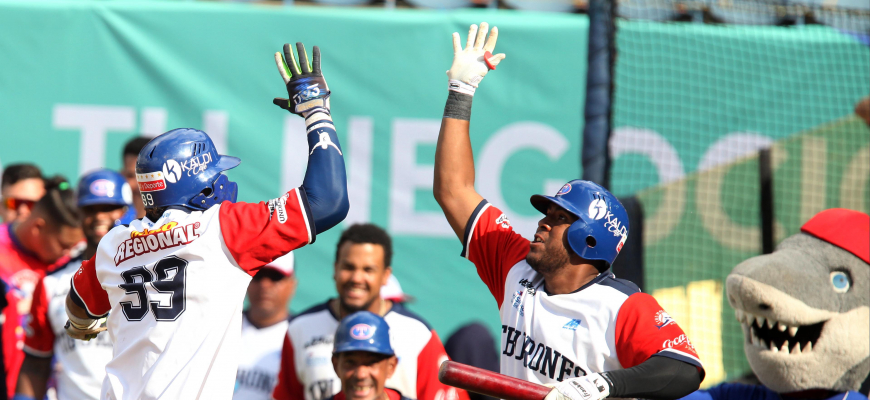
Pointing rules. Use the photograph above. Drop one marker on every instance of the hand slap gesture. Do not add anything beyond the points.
(471, 64)
(306, 86)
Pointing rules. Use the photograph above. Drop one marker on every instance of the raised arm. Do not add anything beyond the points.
(325, 182)
(454, 162)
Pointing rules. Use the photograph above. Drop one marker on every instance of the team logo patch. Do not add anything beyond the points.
(566, 188)
(597, 209)
(151, 182)
(362, 331)
(278, 208)
(503, 221)
(172, 170)
(572, 325)
(663, 319)
(103, 187)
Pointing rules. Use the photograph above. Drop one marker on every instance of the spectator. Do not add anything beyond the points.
(362, 266)
(128, 169)
(29, 249)
(22, 186)
(103, 199)
(263, 328)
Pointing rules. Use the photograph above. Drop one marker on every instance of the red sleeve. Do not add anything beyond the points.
(493, 246)
(257, 234)
(428, 363)
(87, 293)
(39, 339)
(12, 356)
(288, 386)
(644, 329)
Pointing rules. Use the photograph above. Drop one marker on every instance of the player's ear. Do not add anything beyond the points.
(391, 366)
(387, 272)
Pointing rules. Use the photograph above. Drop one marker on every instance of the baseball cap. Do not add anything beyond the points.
(363, 331)
(393, 291)
(283, 264)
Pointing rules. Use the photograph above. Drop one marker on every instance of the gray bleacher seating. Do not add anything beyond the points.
(650, 10)
(746, 12)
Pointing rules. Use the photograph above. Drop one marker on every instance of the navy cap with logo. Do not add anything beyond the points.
(363, 331)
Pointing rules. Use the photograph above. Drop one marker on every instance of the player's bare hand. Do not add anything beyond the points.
(85, 333)
(306, 87)
(471, 64)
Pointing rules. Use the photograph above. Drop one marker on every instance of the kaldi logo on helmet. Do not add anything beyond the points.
(151, 182)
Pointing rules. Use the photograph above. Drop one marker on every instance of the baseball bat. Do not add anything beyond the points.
(489, 383)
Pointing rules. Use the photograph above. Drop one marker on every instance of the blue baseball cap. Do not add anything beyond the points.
(104, 186)
(363, 331)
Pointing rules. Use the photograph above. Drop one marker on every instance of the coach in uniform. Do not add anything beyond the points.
(362, 267)
(173, 283)
(104, 197)
(566, 320)
(363, 358)
(264, 325)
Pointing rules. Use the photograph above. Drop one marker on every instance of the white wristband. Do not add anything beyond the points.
(460, 87)
(81, 323)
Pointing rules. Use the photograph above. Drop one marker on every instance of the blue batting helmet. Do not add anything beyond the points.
(602, 227)
(104, 186)
(182, 168)
(363, 331)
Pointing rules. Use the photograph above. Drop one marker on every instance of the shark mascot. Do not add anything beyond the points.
(805, 312)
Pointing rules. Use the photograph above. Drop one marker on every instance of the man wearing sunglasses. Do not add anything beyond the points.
(28, 250)
(104, 198)
(263, 329)
(21, 187)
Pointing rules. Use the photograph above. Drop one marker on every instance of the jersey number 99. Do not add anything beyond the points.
(169, 301)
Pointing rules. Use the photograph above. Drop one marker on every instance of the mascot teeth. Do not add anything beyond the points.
(779, 337)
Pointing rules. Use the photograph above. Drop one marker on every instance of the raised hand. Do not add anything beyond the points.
(473, 62)
(306, 87)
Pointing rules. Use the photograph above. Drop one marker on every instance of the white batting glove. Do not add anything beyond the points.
(85, 331)
(589, 387)
(471, 64)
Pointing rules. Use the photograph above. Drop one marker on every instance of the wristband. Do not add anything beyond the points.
(455, 85)
(80, 323)
(458, 106)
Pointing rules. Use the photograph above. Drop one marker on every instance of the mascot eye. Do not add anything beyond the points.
(840, 281)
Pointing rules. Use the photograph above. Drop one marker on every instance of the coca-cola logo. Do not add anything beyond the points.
(678, 341)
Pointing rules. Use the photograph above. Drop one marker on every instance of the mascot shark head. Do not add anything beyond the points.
(805, 308)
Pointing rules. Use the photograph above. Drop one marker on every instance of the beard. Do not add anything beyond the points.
(350, 308)
(551, 261)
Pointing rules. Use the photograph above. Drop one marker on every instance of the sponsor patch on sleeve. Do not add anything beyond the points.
(151, 182)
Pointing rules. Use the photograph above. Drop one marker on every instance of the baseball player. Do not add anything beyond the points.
(172, 283)
(103, 198)
(363, 358)
(362, 266)
(566, 320)
(264, 325)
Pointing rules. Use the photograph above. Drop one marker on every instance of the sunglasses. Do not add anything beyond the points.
(12, 203)
(270, 274)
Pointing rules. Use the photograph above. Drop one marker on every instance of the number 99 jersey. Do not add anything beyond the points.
(173, 290)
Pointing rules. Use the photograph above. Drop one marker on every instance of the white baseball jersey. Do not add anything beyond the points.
(605, 325)
(259, 361)
(306, 362)
(175, 289)
(80, 366)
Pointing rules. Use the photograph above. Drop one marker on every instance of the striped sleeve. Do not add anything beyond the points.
(87, 293)
(644, 329)
(258, 233)
(493, 246)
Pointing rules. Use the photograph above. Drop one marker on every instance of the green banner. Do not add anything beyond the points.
(80, 78)
(698, 228)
